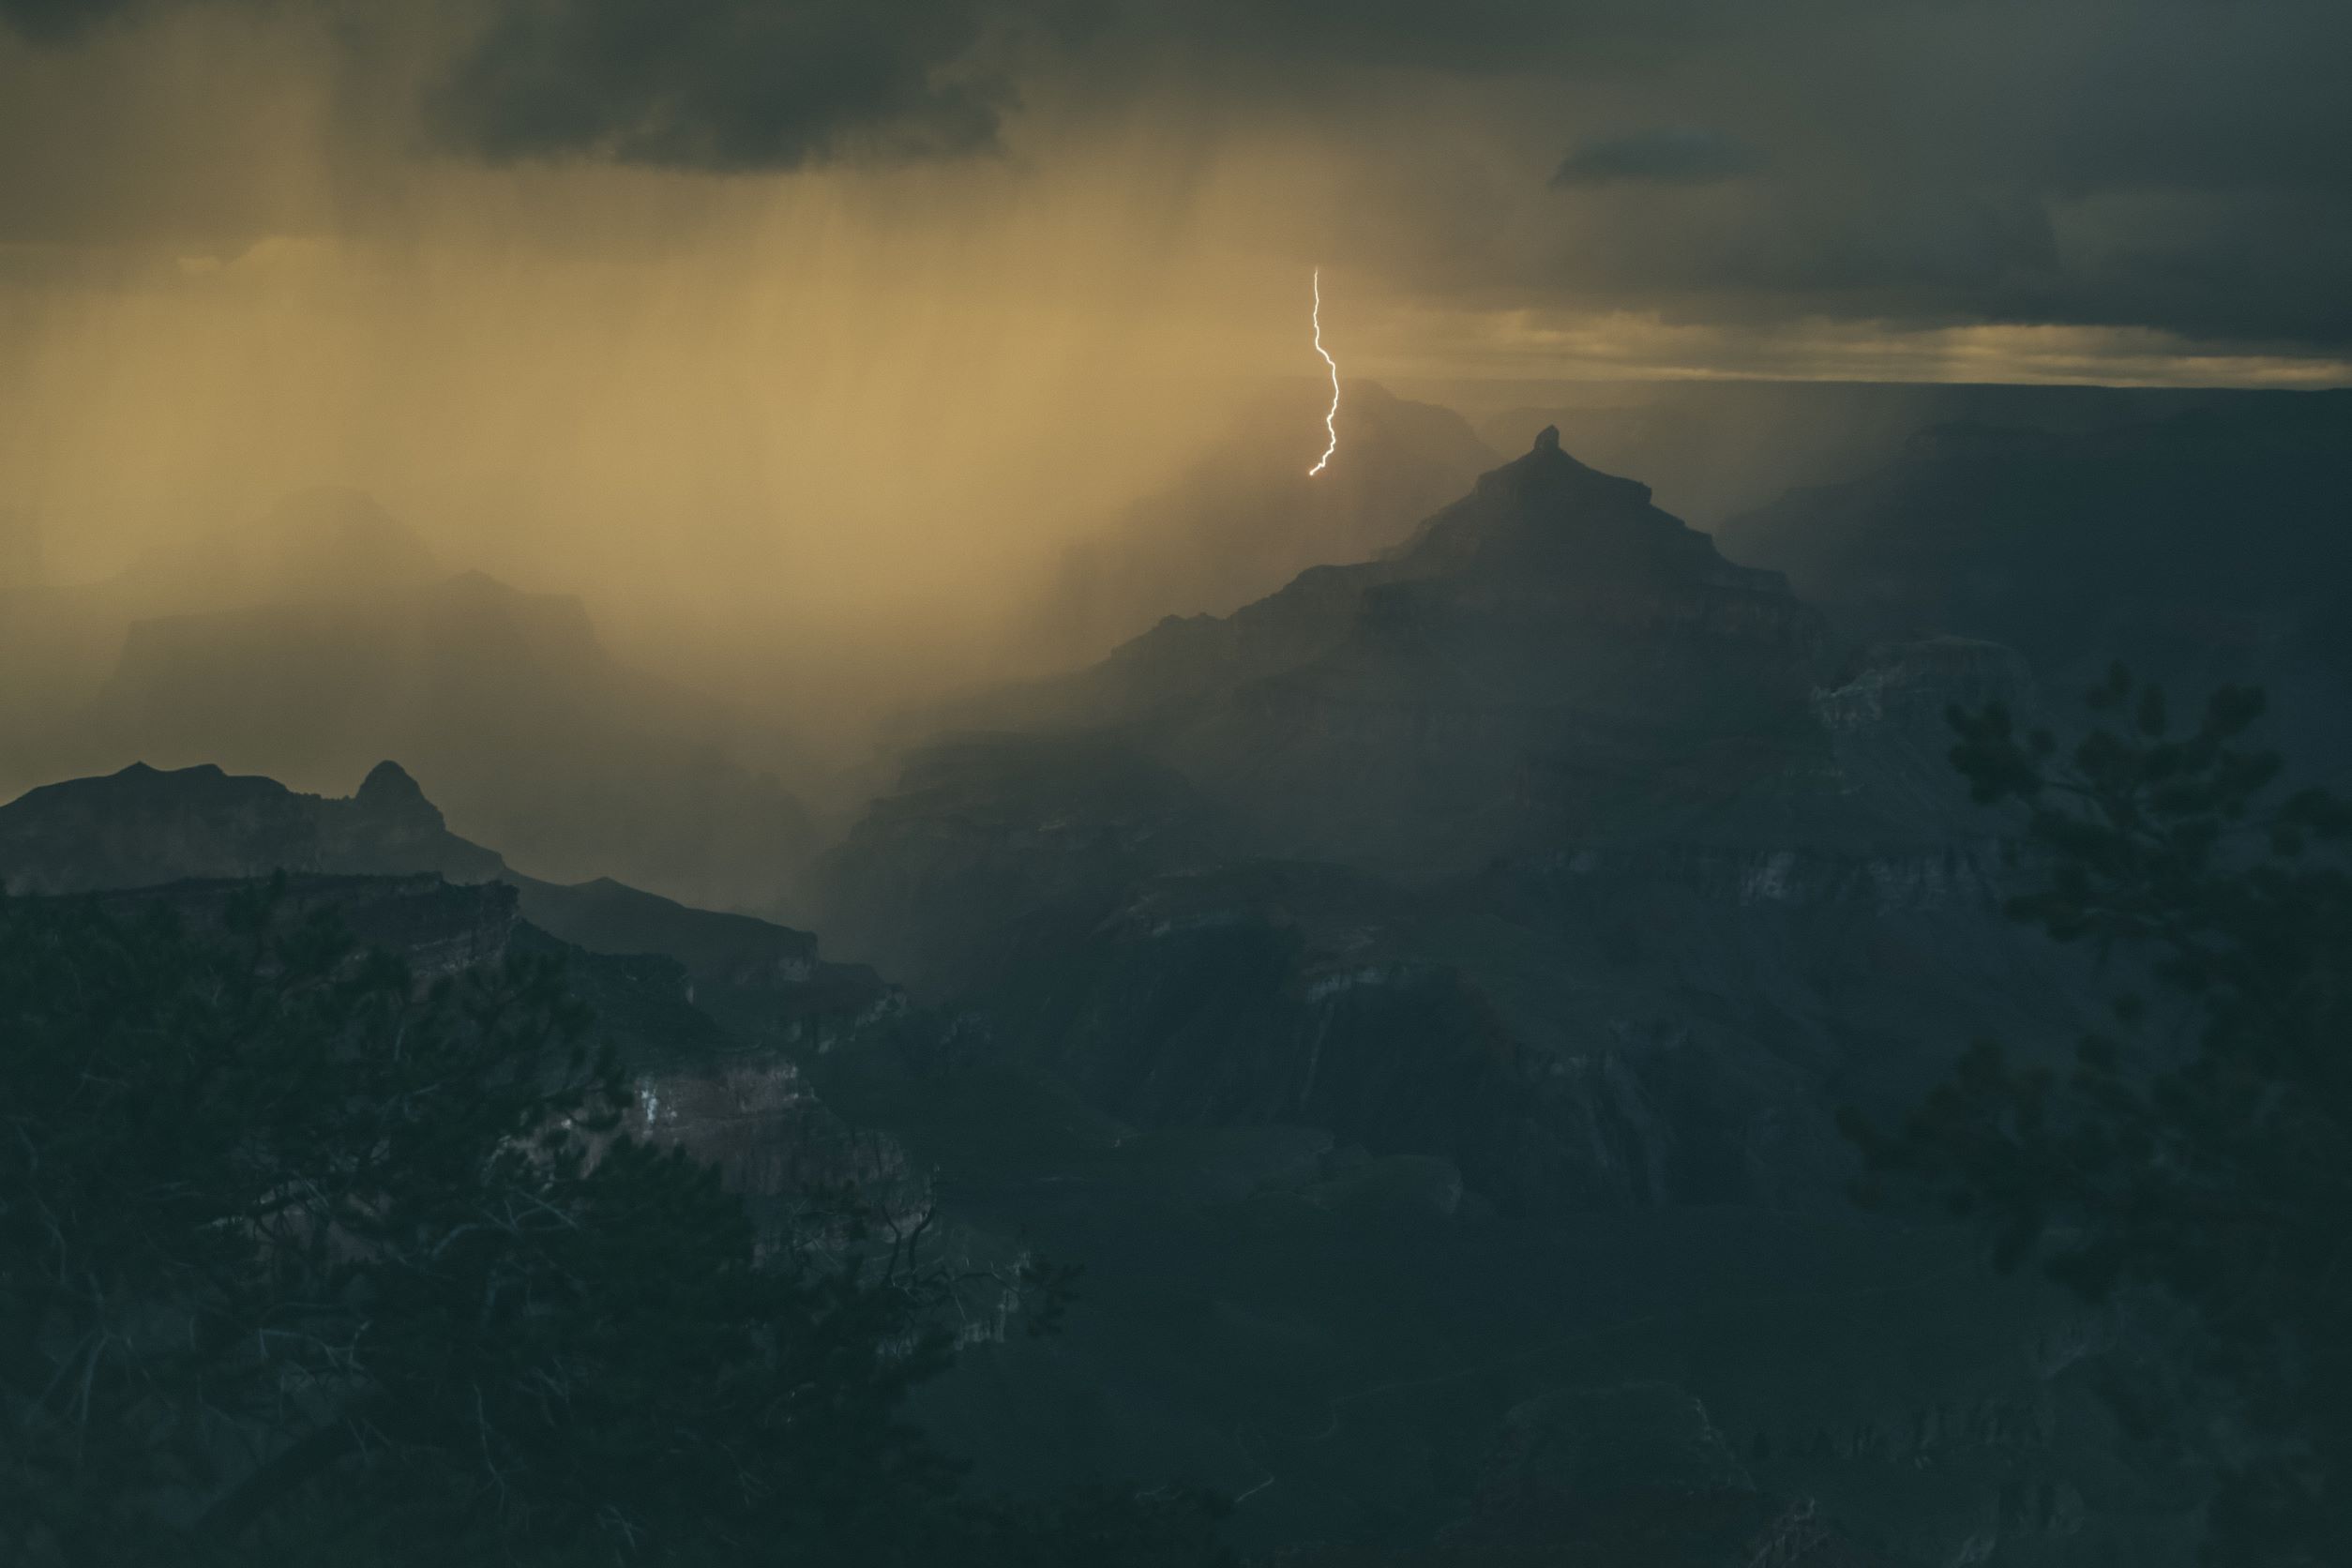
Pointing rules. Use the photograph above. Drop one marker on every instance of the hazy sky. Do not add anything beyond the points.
(820, 305)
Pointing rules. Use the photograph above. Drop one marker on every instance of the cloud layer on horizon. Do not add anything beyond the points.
(2167, 165)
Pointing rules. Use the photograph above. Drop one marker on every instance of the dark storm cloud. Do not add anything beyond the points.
(724, 85)
(2263, 269)
(734, 84)
(2178, 164)
(1671, 154)
(59, 21)
(717, 84)
(1478, 36)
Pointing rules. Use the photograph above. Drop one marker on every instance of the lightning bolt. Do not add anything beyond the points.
(1329, 427)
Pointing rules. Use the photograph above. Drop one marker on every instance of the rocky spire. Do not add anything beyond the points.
(389, 796)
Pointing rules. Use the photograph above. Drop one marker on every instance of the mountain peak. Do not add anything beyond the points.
(1549, 476)
(388, 790)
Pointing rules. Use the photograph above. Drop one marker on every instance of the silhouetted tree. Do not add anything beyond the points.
(2201, 1146)
(302, 1260)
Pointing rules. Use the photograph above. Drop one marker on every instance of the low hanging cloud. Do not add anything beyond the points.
(1667, 155)
(725, 85)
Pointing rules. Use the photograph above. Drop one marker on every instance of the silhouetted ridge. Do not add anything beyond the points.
(1545, 463)
(144, 825)
(1549, 526)
(388, 793)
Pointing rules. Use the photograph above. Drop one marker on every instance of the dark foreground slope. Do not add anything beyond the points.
(711, 1011)
(1350, 1340)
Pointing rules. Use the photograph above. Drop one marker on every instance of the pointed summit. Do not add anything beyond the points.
(1547, 478)
(388, 793)
(388, 826)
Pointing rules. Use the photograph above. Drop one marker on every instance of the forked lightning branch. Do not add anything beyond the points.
(1331, 417)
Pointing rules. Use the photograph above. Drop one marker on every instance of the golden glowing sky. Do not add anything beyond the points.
(693, 350)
